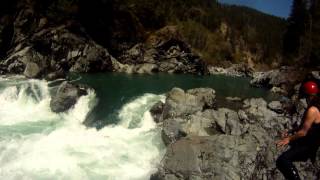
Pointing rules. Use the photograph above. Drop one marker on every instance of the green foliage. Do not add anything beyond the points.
(62, 9)
(247, 30)
(297, 27)
(201, 22)
(261, 33)
(218, 32)
(315, 40)
(212, 46)
(302, 38)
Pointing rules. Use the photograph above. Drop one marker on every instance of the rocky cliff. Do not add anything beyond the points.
(38, 38)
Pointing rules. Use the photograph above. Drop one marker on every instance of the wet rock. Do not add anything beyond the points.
(66, 96)
(156, 111)
(32, 70)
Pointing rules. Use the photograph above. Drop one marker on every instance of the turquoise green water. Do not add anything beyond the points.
(115, 89)
(37, 144)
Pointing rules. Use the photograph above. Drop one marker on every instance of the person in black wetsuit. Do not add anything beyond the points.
(304, 142)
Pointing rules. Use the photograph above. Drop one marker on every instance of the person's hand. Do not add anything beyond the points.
(283, 142)
(284, 134)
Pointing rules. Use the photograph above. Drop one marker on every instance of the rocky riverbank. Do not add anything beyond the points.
(52, 52)
(41, 47)
(284, 80)
(39, 43)
(206, 142)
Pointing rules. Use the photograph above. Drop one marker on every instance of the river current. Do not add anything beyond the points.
(109, 134)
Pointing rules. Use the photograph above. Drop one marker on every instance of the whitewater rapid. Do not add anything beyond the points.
(36, 143)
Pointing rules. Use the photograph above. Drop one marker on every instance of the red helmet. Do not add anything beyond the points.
(310, 88)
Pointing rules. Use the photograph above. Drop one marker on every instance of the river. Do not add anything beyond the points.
(119, 140)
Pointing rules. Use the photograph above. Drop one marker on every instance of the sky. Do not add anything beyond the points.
(275, 7)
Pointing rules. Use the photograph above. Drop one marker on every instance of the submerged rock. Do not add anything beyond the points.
(66, 96)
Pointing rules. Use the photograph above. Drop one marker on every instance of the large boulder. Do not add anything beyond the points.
(66, 96)
(208, 143)
(181, 114)
(32, 70)
(214, 157)
(180, 103)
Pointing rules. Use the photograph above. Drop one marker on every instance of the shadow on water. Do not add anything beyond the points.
(116, 89)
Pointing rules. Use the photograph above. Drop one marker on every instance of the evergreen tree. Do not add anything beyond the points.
(297, 27)
(315, 39)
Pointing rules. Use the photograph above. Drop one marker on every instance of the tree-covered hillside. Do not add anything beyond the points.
(302, 37)
(221, 34)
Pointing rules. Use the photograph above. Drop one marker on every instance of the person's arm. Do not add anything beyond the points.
(308, 121)
(294, 129)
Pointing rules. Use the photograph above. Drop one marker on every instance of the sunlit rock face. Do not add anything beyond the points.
(204, 142)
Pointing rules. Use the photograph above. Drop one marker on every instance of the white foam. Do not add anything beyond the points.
(45, 145)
